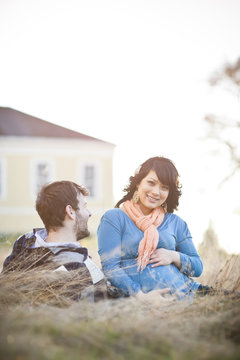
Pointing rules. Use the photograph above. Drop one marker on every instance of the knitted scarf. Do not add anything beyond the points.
(148, 224)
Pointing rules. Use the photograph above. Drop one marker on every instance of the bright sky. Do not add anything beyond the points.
(132, 72)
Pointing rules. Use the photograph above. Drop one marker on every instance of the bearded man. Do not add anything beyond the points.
(63, 209)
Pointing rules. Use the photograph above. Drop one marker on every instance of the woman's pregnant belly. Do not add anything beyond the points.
(160, 277)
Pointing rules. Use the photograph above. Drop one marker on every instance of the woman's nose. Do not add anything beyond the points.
(156, 190)
(89, 213)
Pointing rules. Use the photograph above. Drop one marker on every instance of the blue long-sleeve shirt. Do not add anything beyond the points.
(118, 239)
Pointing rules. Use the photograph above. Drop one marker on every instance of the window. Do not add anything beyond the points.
(2, 179)
(89, 176)
(43, 173)
(89, 179)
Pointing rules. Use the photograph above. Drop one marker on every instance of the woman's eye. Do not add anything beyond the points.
(151, 182)
(165, 187)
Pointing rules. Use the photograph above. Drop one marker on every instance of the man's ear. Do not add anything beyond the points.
(70, 212)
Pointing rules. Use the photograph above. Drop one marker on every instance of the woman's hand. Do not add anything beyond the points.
(165, 257)
(152, 296)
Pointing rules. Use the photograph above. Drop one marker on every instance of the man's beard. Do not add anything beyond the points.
(80, 232)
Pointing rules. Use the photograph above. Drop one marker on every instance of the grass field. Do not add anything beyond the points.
(37, 322)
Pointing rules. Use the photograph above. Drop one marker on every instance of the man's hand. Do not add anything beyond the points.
(165, 257)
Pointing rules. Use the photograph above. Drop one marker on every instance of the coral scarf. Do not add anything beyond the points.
(148, 224)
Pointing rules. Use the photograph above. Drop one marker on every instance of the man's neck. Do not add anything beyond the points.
(61, 235)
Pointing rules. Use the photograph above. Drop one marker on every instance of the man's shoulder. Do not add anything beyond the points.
(20, 248)
(27, 239)
(22, 240)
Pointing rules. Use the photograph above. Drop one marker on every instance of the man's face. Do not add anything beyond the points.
(82, 216)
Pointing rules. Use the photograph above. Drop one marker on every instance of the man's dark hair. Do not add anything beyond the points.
(52, 201)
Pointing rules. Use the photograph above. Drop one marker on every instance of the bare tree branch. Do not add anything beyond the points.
(218, 126)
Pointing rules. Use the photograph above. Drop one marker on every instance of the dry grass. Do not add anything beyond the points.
(40, 321)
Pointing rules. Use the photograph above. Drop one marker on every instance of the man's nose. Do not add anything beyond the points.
(89, 213)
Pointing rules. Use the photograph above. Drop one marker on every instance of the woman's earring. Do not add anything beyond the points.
(164, 206)
(136, 197)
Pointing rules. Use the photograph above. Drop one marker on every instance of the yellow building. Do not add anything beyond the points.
(33, 152)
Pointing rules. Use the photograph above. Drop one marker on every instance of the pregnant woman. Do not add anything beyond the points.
(143, 246)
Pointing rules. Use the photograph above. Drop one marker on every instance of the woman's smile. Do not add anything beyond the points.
(152, 193)
(152, 198)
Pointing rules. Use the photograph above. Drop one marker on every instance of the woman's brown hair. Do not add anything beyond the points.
(166, 173)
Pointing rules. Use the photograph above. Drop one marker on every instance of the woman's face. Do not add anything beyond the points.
(152, 193)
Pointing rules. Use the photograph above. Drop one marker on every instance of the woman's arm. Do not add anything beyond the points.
(190, 259)
(186, 257)
(109, 243)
